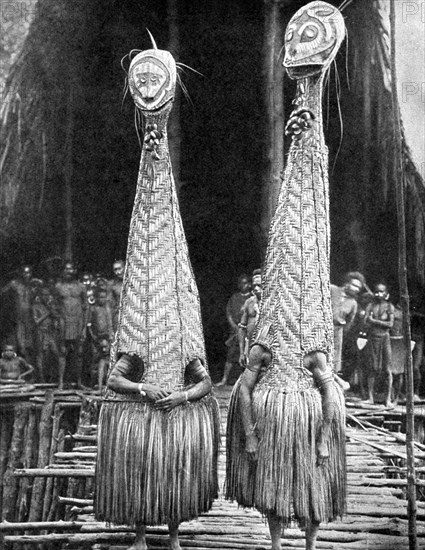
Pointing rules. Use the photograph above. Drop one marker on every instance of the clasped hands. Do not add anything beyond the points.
(163, 399)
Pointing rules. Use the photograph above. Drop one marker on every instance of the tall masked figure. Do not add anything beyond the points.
(159, 423)
(286, 424)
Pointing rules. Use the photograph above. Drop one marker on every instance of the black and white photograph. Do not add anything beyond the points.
(212, 275)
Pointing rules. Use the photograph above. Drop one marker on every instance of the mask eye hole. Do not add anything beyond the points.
(309, 34)
(324, 12)
(290, 35)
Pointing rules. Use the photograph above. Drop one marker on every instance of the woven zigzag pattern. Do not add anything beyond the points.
(295, 314)
(160, 317)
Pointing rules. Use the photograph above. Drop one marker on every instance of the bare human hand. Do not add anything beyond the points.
(251, 446)
(322, 452)
(243, 360)
(154, 393)
(171, 401)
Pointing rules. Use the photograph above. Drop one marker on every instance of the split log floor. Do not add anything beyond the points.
(376, 516)
(376, 519)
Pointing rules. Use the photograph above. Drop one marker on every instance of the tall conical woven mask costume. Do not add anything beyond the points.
(295, 316)
(159, 319)
(159, 345)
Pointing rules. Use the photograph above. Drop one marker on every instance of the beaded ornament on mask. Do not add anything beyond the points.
(152, 83)
(295, 312)
(159, 316)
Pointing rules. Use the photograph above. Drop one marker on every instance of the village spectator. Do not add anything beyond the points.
(344, 309)
(398, 354)
(100, 328)
(233, 314)
(114, 290)
(20, 291)
(72, 299)
(13, 369)
(249, 318)
(89, 283)
(418, 336)
(379, 319)
(48, 332)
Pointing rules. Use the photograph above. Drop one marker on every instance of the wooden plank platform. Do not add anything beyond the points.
(376, 517)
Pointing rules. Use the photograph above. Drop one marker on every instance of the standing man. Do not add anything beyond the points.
(344, 309)
(114, 290)
(22, 297)
(249, 317)
(47, 328)
(72, 297)
(234, 313)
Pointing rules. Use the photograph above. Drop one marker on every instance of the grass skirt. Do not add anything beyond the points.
(154, 467)
(286, 479)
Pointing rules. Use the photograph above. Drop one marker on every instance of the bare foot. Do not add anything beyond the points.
(139, 545)
(389, 405)
(222, 383)
(322, 452)
(140, 541)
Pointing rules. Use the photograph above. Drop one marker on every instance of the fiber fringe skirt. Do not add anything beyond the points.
(286, 479)
(154, 467)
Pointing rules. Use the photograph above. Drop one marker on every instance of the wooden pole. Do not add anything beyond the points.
(58, 412)
(274, 108)
(404, 297)
(67, 178)
(30, 454)
(174, 127)
(39, 485)
(6, 425)
(54, 511)
(54, 472)
(11, 484)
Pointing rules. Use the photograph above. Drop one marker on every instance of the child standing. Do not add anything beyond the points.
(13, 369)
(379, 319)
(101, 333)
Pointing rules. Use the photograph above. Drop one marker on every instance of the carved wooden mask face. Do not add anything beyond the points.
(312, 39)
(152, 79)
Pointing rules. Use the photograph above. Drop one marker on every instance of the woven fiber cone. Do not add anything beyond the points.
(295, 319)
(159, 318)
(153, 466)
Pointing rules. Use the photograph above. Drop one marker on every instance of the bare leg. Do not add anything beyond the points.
(311, 536)
(78, 358)
(40, 367)
(275, 528)
(227, 369)
(62, 364)
(100, 372)
(388, 402)
(398, 382)
(140, 542)
(370, 387)
(173, 529)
